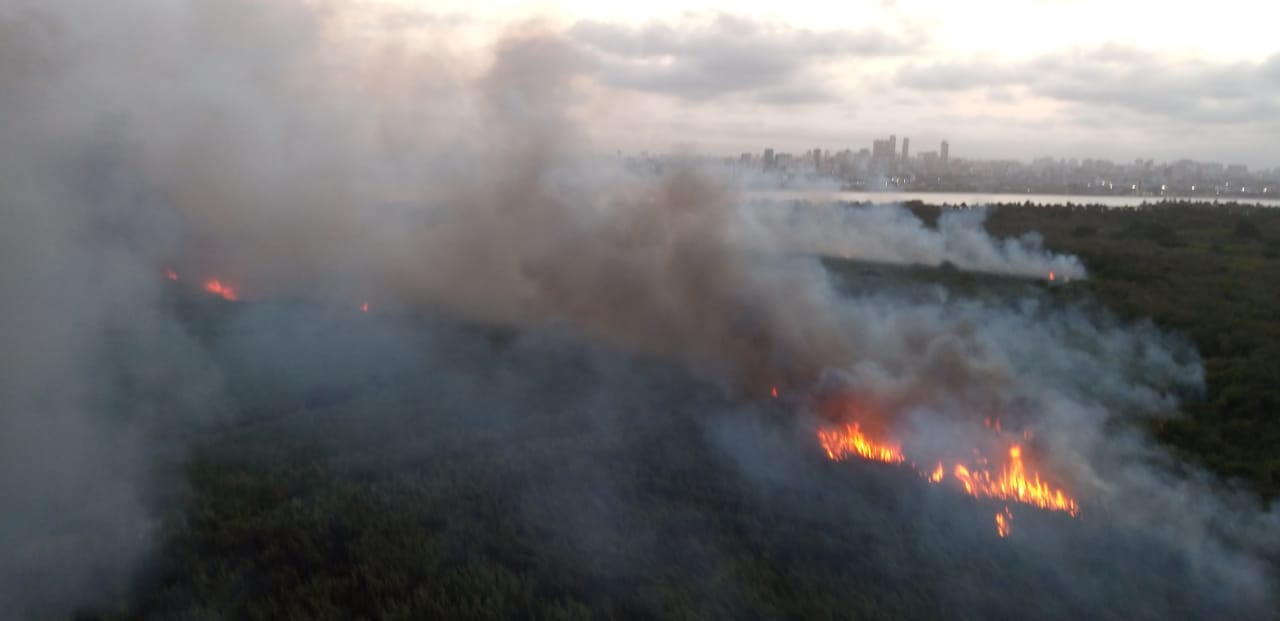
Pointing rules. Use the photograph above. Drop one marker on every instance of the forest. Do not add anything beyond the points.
(1210, 272)
(410, 468)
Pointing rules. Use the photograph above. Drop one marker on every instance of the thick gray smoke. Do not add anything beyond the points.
(894, 235)
(276, 147)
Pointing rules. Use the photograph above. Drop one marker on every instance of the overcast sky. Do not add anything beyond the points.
(1119, 79)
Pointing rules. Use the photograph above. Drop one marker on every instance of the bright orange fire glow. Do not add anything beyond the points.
(774, 391)
(849, 440)
(1005, 479)
(1002, 522)
(170, 274)
(1013, 483)
(1051, 277)
(937, 474)
(365, 307)
(226, 292)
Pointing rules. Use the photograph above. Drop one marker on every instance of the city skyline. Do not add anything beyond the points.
(942, 152)
(1118, 80)
(886, 166)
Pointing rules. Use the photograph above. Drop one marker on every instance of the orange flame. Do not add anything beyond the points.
(365, 307)
(1003, 520)
(937, 474)
(843, 442)
(1013, 483)
(774, 392)
(1010, 482)
(1051, 277)
(226, 292)
(170, 274)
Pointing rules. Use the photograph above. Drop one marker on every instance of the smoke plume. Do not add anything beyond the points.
(891, 234)
(285, 148)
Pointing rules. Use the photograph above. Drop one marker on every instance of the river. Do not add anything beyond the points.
(978, 198)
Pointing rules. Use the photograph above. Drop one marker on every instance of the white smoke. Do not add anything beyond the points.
(892, 234)
(261, 143)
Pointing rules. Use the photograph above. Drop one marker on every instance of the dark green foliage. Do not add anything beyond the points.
(645, 521)
(376, 485)
(1247, 230)
(1196, 269)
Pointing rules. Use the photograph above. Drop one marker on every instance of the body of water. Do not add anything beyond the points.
(979, 198)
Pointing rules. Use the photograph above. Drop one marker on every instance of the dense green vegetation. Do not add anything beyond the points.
(408, 470)
(1211, 272)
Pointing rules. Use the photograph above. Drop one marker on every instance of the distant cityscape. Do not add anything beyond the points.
(890, 165)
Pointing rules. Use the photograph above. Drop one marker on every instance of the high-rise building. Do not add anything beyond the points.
(768, 158)
(906, 148)
(884, 149)
(946, 150)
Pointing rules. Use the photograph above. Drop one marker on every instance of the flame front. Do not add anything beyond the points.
(849, 440)
(1010, 481)
(226, 292)
(1013, 483)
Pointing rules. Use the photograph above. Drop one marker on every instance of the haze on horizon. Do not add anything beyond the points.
(999, 79)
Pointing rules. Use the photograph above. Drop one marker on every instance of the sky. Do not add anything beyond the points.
(1117, 79)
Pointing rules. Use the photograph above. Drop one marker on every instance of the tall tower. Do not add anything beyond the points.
(768, 158)
(946, 150)
(906, 148)
(893, 145)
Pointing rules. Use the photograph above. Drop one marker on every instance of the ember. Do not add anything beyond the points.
(1002, 522)
(226, 292)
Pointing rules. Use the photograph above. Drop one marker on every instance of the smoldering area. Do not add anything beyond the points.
(563, 380)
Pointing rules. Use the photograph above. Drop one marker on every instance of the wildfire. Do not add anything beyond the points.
(1012, 483)
(226, 292)
(937, 474)
(774, 392)
(170, 274)
(849, 440)
(364, 307)
(1008, 479)
(1002, 522)
(1051, 277)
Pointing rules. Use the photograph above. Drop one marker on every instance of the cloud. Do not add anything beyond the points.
(1121, 77)
(418, 19)
(708, 57)
(247, 145)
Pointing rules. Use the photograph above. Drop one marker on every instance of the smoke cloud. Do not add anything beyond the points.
(282, 148)
(892, 234)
